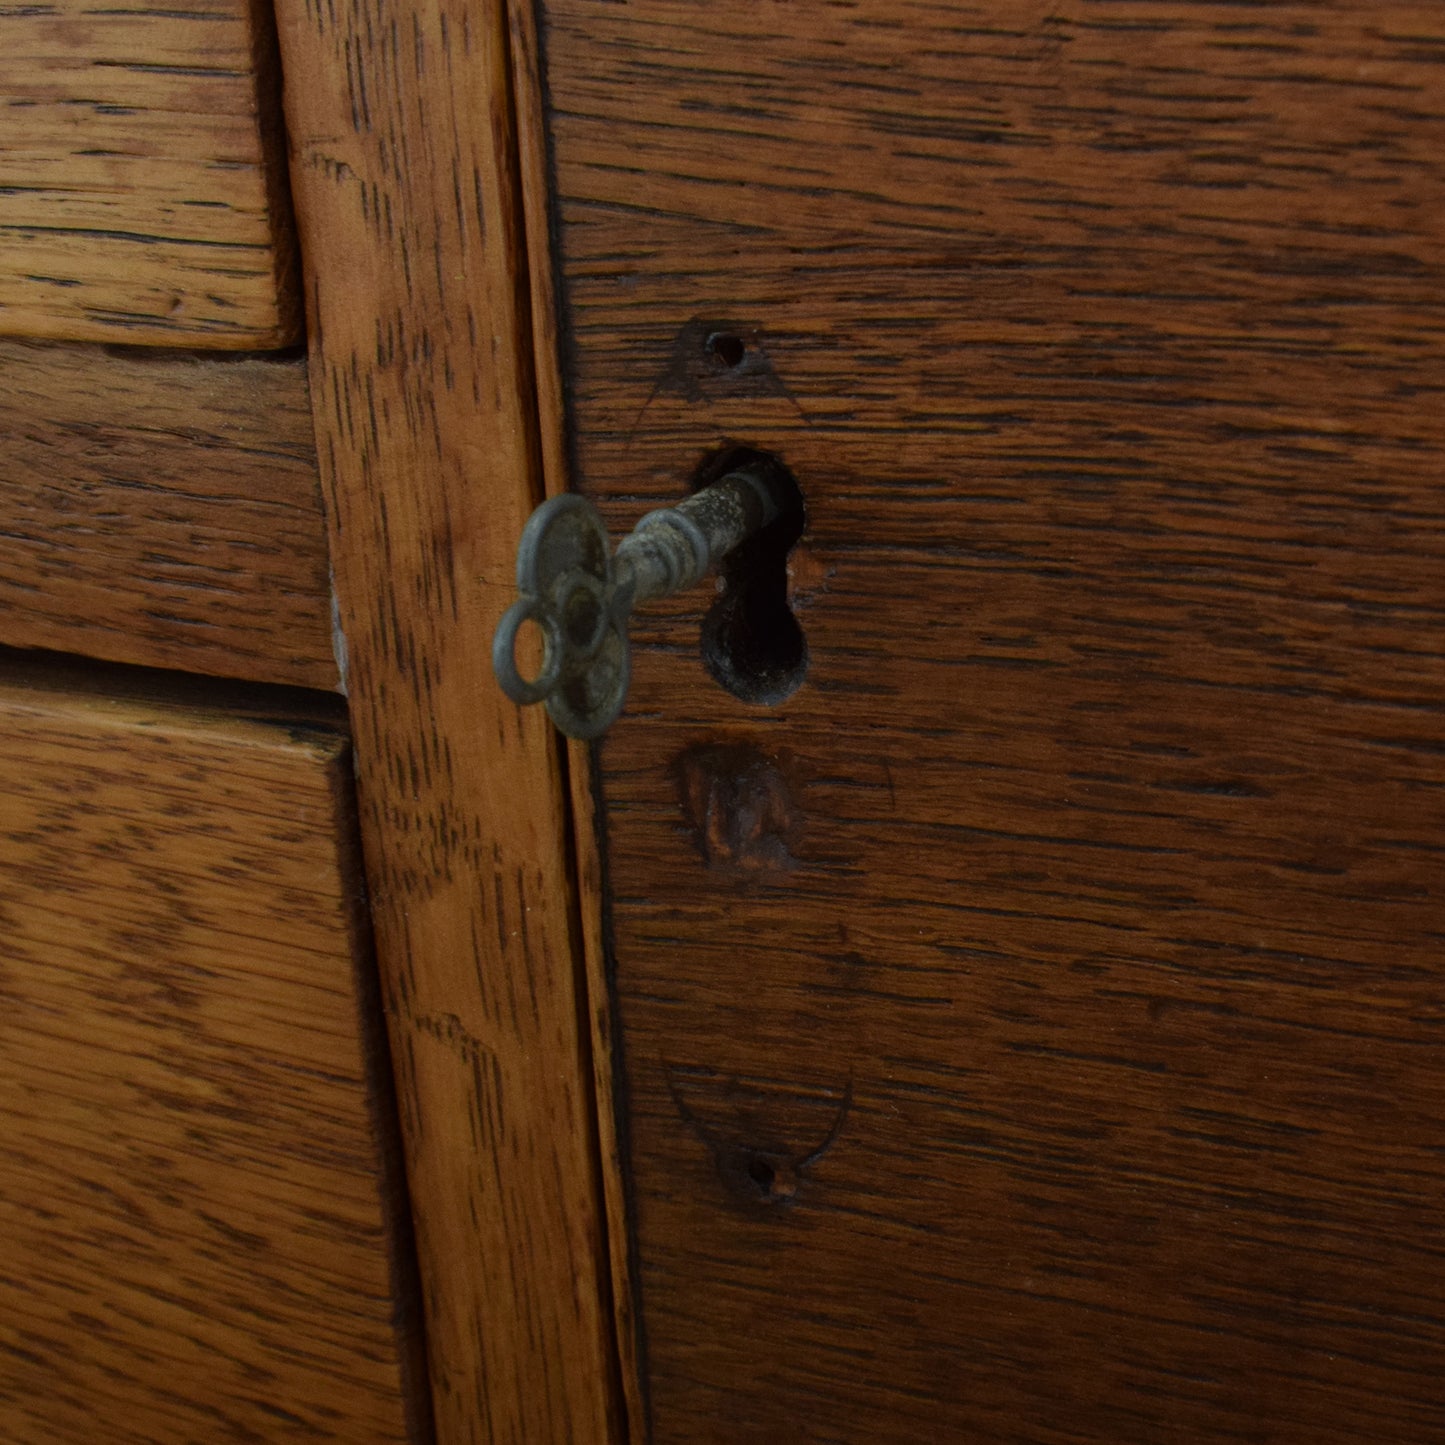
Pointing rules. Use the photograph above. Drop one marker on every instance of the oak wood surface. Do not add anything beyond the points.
(163, 510)
(405, 174)
(142, 174)
(202, 1225)
(589, 869)
(1032, 1027)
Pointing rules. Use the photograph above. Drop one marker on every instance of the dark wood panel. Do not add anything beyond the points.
(407, 194)
(163, 510)
(204, 1230)
(1032, 1026)
(144, 176)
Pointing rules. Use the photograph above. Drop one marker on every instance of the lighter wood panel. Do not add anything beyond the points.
(200, 1231)
(143, 175)
(405, 172)
(1032, 1025)
(164, 511)
(589, 869)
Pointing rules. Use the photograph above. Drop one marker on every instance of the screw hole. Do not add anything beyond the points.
(725, 350)
(751, 642)
(762, 1174)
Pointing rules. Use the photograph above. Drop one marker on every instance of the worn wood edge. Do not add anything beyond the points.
(212, 703)
(383, 1109)
(583, 800)
(535, 177)
(609, 1083)
(467, 1408)
(535, 169)
(269, 88)
(219, 562)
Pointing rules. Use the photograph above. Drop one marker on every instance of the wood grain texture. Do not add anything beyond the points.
(1034, 1033)
(163, 510)
(143, 175)
(589, 867)
(201, 1207)
(405, 175)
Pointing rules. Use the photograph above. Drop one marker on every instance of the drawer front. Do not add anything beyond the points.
(200, 1224)
(143, 174)
(163, 510)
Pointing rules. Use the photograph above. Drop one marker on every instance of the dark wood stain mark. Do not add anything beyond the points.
(738, 806)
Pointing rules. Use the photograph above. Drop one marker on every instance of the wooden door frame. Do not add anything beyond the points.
(419, 174)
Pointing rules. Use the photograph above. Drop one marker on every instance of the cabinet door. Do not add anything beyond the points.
(203, 1235)
(1031, 1028)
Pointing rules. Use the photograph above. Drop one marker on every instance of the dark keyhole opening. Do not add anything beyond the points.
(751, 641)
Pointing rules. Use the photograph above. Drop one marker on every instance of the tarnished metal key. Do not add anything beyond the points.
(581, 595)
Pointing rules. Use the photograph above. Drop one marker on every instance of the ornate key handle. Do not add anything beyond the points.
(581, 596)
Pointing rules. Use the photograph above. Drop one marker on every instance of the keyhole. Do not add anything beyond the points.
(751, 641)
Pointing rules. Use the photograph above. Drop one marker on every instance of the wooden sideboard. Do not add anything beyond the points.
(1023, 1026)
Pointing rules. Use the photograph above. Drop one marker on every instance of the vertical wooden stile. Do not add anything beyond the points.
(608, 1081)
(406, 177)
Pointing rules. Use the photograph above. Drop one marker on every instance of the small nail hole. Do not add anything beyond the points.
(762, 1174)
(725, 350)
(751, 641)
